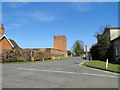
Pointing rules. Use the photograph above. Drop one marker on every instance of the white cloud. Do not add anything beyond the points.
(83, 6)
(41, 16)
(22, 20)
(13, 26)
(25, 16)
(86, 6)
(15, 4)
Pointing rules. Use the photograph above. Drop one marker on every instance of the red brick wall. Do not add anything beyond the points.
(55, 52)
(4, 44)
(60, 42)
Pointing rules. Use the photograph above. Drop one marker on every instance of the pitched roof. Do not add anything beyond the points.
(113, 27)
(15, 44)
(116, 38)
(12, 42)
(7, 39)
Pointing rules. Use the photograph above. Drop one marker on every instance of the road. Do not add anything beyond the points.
(56, 74)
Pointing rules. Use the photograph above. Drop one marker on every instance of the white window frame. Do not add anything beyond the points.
(116, 50)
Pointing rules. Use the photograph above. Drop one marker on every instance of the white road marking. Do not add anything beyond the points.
(58, 68)
(67, 72)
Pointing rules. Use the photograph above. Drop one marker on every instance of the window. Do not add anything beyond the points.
(116, 50)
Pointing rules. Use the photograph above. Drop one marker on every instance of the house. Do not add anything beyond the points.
(108, 45)
(116, 48)
(114, 33)
(58, 50)
(5, 42)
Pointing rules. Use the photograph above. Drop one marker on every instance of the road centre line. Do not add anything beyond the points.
(67, 72)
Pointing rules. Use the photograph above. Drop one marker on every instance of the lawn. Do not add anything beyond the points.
(102, 65)
(35, 61)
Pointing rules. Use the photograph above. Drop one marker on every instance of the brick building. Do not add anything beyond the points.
(60, 42)
(5, 42)
(59, 49)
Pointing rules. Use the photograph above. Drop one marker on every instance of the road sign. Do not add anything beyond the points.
(86, 48)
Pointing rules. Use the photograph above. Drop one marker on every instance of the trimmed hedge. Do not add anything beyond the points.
(19, 55)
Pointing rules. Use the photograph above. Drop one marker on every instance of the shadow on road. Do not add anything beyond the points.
(76, 63)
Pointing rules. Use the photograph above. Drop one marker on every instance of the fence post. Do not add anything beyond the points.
(86, 58)
(106, 63)
(43, 58)
(53, 58)
(31, 55)
(91, 58)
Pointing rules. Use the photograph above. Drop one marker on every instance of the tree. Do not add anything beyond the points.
(102, 49)
(101, 30)
(104, 45)
(94, 52)
(77, 48)
(69, 53)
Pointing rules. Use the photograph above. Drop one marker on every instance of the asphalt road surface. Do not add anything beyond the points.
(56, 74)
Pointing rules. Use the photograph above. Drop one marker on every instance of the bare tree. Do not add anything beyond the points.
(101, 30)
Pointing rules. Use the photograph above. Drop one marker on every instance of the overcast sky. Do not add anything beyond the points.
(34, 24)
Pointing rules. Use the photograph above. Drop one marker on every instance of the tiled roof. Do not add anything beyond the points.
(15, 44)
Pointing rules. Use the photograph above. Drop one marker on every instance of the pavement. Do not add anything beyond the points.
(56, 74)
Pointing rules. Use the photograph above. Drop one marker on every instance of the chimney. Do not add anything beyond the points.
(92, 44)
(1, 30)
(1, 25)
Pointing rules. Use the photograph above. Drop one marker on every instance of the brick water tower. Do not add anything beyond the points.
(60, 43)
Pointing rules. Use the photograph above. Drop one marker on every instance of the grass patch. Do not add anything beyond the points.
(35, 61)
(102, 65)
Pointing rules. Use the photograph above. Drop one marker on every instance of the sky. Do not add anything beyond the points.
(34, 24)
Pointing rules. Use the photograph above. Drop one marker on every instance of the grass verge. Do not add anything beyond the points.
(102, 65)
(35, 61)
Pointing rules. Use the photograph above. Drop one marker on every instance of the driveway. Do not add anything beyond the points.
(56, 74)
